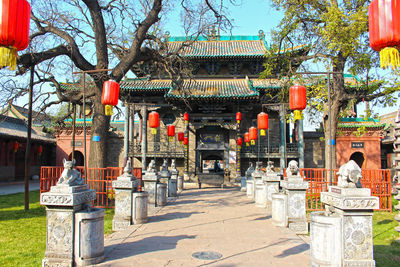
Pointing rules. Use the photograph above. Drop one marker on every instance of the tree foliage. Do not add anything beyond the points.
(85, 35)
(337, 34)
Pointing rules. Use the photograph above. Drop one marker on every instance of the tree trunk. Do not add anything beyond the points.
(99, 133)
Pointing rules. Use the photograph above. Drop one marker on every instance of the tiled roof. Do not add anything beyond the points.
(206, 89)
(221, 49)
(347, 123)
(145, 85)
(267, 83)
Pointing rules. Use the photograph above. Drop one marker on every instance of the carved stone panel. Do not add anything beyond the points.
(357, 237)
(296, 205)
(59, 233)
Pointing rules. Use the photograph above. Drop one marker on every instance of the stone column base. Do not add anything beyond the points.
(279, 210)
(300, 227)
(139, 206)
(53, 261)
(250, 188)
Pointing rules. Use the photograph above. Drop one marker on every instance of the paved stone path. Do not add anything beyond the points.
(217, 220)
(18, 187)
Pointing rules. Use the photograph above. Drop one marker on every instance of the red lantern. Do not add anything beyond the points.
(384, 30)
(171, 131)
(238, 117)
(246, 138)
(262, 122)
(110, 95)
(181, 136)
(40, 150)
(154, 121)
(186, 117)
(186, 141)
(239, 142)
(15, 146)
(14, 30)
(297, 100)
(253, 135)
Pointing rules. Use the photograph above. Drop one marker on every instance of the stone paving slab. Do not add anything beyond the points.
(211, 219)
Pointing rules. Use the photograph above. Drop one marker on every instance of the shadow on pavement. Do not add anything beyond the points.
(145, 245)
(172, 216)
(294, 250)
(262, 218)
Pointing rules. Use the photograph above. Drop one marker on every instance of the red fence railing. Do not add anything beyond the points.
(99, 179)
(379, 181)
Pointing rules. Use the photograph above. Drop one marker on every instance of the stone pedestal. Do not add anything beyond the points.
(295, 188)
(354, 207)
(256, 177)
(89, 237)
(279, 209)
(165, 177)
(139, 206)
(271, 181)
(260, 194)
(150, 179)
(243, 183)
(325, 247)
(161, 194)
(62, 202)
(248, 176)
(179, 184)
(250, 188)
(172, 188)
(124, 186)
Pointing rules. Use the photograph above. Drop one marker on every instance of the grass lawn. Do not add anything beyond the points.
(23, 234)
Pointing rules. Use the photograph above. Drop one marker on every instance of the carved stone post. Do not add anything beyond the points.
(249, 182)
(165, 176)
(342, 235)
(150, 179)
(173, 182)
(124, 186)
(271, 180)
(256, 176)
(68, 205)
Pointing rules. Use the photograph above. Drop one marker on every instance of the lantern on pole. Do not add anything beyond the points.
(239, 142)
(181, 136)
(246, 138)
(14, 30)
(40, 150)
(154, 122)
(110, 96)
(253, 135)
(297, 100)
(262, 123)
(171, 132)
(186, 117)
(384, 31)
(15, 146)
(238, 117)
(186, 141)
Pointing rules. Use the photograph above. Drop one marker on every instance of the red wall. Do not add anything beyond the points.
(64, 148)
(371, 150)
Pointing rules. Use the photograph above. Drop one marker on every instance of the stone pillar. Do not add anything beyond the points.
(260, 194)
(173, 182)
(63, 202)
(256, 177)
(295, 188)
(139, 207)
(124, 186)
(180, 184)
(249, 181)
(150, 179)
(279, 209)
(161, 194)
(345, 227)
(271, 180)
(165, 175)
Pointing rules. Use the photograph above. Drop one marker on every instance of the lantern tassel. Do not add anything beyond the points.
(298, 115)
(389, 57)
(8, 57)
(109, 110)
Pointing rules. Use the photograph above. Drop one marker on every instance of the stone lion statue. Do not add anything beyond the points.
(164, 166)
(349, 175)
(152, 166)
(270, 166)
(292, 169)
(69, 176)
(173, 164)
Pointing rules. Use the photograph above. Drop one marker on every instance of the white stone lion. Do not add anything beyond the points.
(349, 175)
(69, 176)
(292, 169)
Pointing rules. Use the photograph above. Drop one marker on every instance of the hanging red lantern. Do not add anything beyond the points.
(15, 146)
(297, 100)
(186, 117)
(154, 121)
(181, 136)
(40, 150)
(262, 123)
(171, 132)
(186, 141)
(14, 30)
(384, 31)
(253, 135)
(110, 95)
(239, 142)
(246, 138)
(238, 117)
